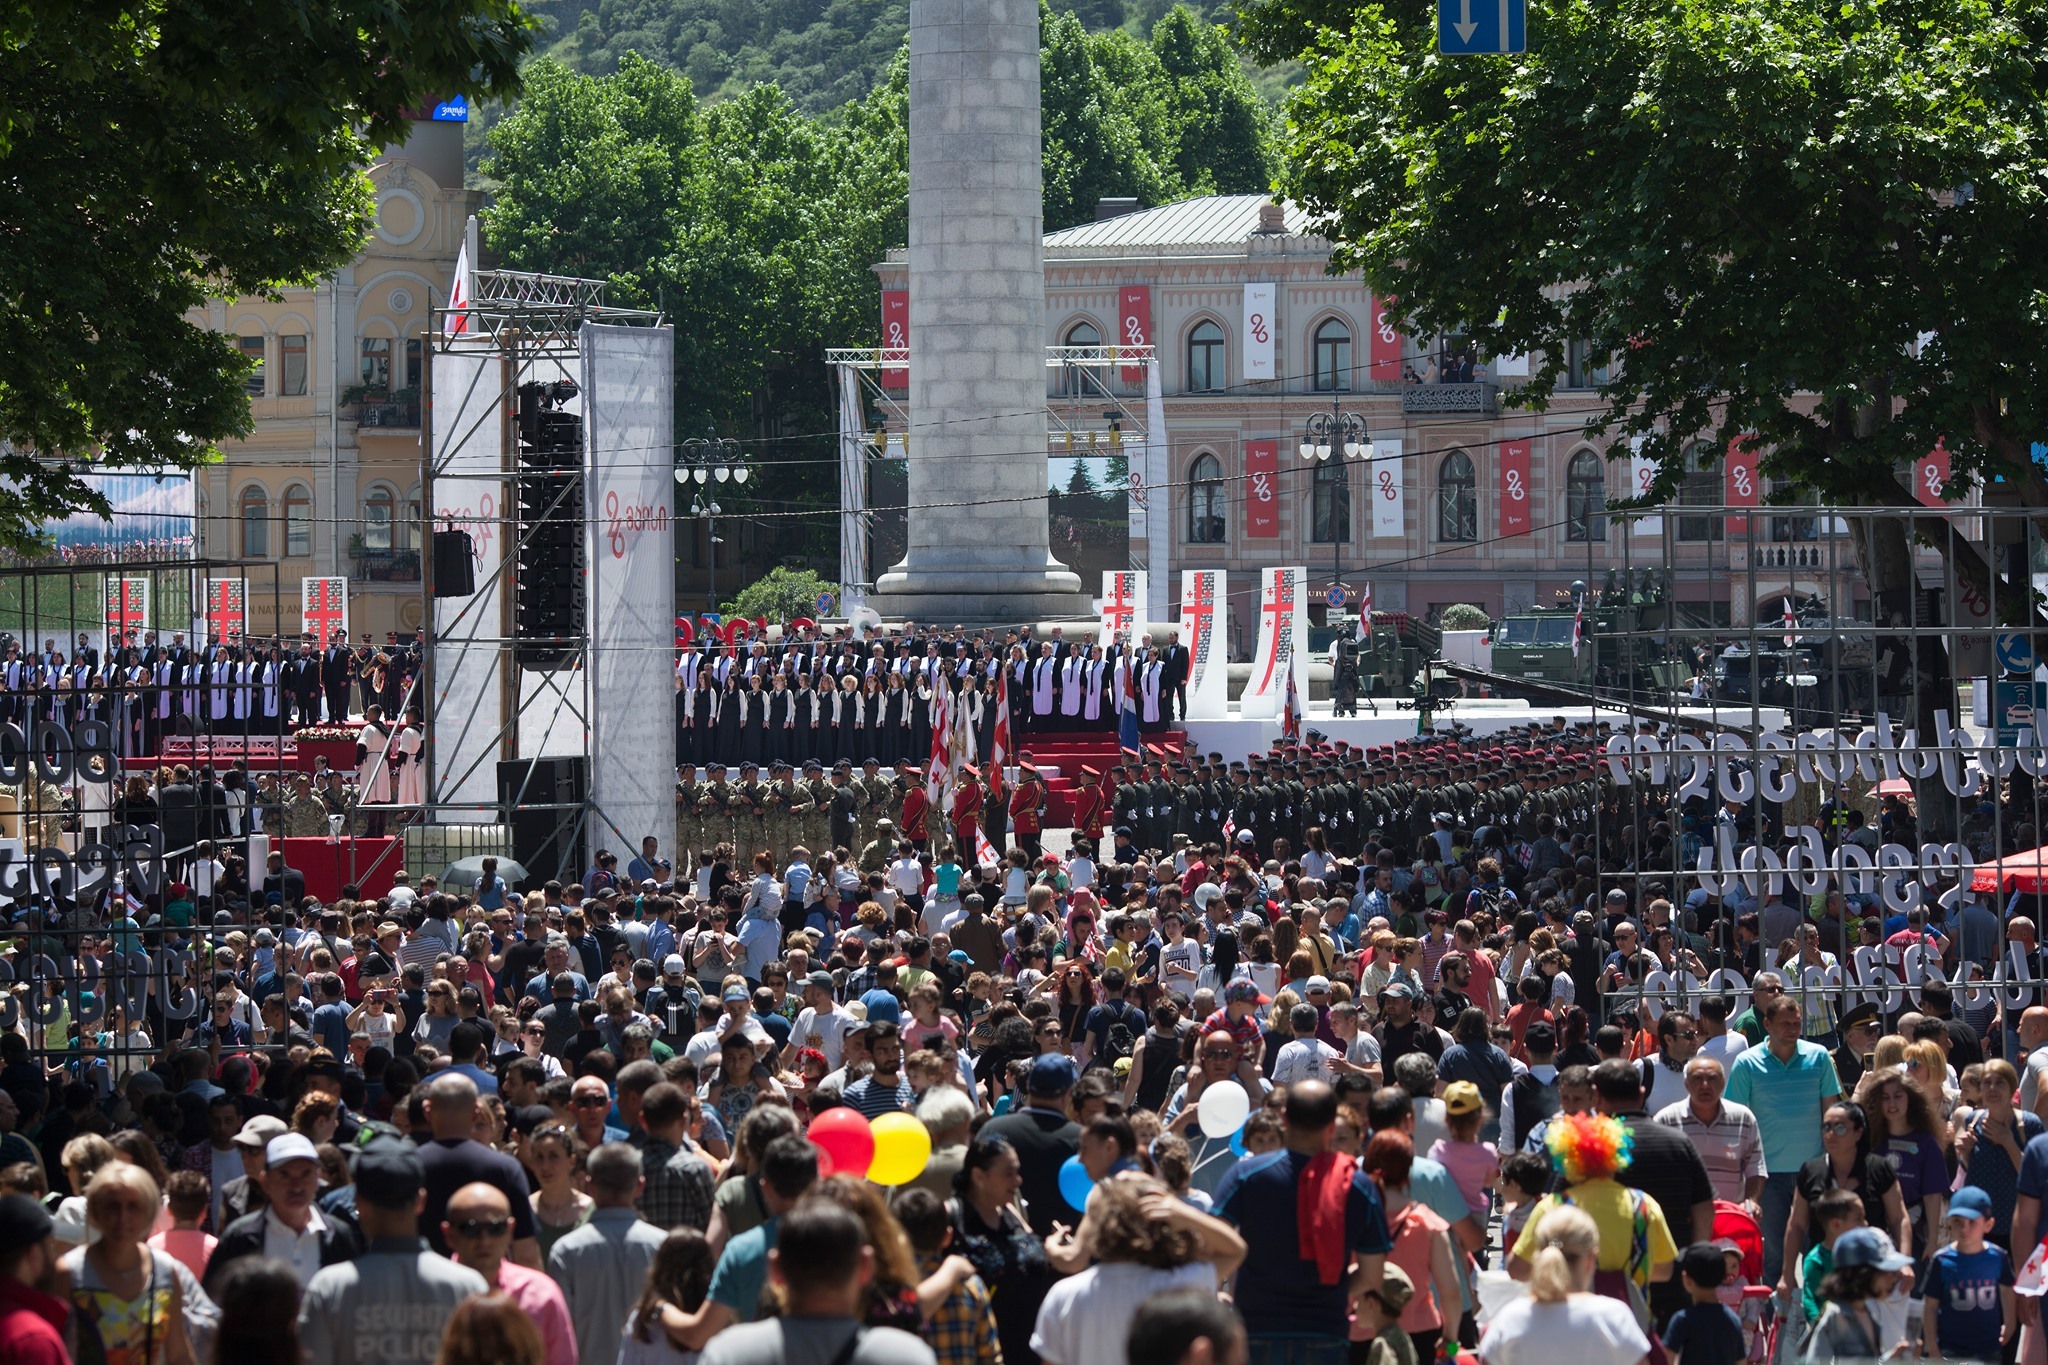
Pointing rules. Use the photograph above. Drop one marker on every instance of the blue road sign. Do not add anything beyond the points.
(452, 111)
(1336, 595)
(2014, 707)
(1466, 28)
(824, 604)
(2016, 653)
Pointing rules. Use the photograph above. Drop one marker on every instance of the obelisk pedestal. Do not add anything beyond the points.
(978, 543)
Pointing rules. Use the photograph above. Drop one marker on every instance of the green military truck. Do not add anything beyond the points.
(1628, 650)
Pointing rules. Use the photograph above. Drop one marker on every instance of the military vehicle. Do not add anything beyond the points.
(1627, 650)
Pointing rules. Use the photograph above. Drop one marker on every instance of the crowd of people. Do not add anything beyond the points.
(1333, 1055)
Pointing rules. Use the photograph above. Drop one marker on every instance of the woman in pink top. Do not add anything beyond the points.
(1422, 1243)
(187, 1197)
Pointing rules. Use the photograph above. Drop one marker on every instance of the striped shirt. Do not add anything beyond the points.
(1732, 1145)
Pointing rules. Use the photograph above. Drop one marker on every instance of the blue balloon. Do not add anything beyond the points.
(1075, 1183)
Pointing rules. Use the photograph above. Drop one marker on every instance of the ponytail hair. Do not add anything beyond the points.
(1567, 1237)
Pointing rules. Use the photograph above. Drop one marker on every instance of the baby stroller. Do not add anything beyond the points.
(1737, 1233)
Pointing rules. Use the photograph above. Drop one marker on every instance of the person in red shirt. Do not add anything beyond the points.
(1026, 801)
(917, 809)
(31, 1321)
(967, 813)
(1091, 806)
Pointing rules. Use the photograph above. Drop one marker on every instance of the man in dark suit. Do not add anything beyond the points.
(302, 682)
(1174, 679)
(178, 813)
(86, 652)
(335, 675)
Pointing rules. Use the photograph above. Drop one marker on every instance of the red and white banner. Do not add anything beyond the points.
(1123, 604)
(1930, 476)
(1259, 327)
(1385, 342)
(127, 614)
(1262, 490)
(1389, 493)
(1642, 472)
(1742, 482)
(939, 770)
(1516, 518)
(1204, 629)
(896, 335)
(1283, 643)
(999, 741)
(323, 608)
(227, 608)
(1133, 324)
(456, 323)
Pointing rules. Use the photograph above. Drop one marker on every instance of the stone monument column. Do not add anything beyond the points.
(977, 325)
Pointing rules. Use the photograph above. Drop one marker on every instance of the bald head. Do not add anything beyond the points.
(2034, 1027)
(451, 1105)
(478, 1226)
(478, 1200)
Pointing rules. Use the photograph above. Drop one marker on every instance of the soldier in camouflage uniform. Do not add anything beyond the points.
(872, 789)
(269, 804)
(715, 809)
(749, 806)
(876, 853)
(688, 789)
(304, 815)
(818, 816)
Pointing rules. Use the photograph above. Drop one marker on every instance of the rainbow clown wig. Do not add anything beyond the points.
(1588, 1147)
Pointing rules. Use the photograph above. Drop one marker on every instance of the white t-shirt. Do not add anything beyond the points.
(830, 1028)
(1364, 1050)
(1304, 1059)
(1725, 1049)
(1086, 1318)
(1080, 872)
(907, 876)
(1586, 1329)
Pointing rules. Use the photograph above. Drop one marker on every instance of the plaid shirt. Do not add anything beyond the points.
(962, 1330)
(679, 1186)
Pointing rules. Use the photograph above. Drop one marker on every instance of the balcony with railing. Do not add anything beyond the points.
(386, 566)
(397, 409)
(1479, 400)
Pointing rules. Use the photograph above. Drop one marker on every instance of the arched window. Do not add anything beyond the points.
(1457, 499)
(1205, 501)
(298, 521)
(1701, 488)
(1330, 513)
(380, 510)
(1206, 369)
(253, 352)
(255, 513)
(1585, 484)
(1333, 357)
(1076, 381)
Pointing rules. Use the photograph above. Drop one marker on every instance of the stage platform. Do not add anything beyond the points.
(261, 753)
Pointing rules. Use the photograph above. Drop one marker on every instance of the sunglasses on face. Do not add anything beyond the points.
(482, 1227)
(591, 1102)
(1837, 1127)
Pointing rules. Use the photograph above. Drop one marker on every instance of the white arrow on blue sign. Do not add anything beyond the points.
(2016, 653)
(1466, 28)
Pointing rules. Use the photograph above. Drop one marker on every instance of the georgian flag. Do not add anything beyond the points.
(458, 295)
(939, 769)
(984, 851)
(999, 739)
(1365, 615)
(1791, 623)
(1290, 711)
(1578, 629)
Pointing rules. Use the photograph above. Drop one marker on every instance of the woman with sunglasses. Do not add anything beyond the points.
(1846, 1163)
(440, 1017)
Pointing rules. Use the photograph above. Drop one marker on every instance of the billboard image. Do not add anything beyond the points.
(151, 521)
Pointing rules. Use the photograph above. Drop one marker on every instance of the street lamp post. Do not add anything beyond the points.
(1339, 436)
(703, 460)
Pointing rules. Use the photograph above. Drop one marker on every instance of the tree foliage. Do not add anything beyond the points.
(781, 595)
(1762, 208)
(1464, 616)
(153, 156)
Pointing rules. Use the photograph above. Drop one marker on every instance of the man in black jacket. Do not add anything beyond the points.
(290, 1227)
(287, 883)
(303, 683)
(335, 673)
(1173, 679)
(178, 812)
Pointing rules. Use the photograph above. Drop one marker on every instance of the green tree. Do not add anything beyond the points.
(1093, 146)
(1819, 226)
(155, 156)
(1079, 482)
(1224, 132)
(1464, 616)
(781, 595)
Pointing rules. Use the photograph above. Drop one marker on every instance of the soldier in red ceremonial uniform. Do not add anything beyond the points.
(1091, 807)
(966, 813)
(917, 809)
(1027, 803)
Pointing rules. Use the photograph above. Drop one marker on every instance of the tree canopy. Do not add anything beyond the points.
(1820, 224)
(155, 155)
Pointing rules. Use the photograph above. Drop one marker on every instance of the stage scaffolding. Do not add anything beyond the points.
(486, 708)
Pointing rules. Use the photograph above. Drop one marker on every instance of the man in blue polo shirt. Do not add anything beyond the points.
(1788, 1083)
(1296, 1304)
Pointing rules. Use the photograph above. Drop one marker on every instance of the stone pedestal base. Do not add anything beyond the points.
(996, 597)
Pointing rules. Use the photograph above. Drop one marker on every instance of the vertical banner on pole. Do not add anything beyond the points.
(1385, 343)
(853, 494)
(467, 418)
(1389, 500)
(1123, 604)
(1930, 476)
(1741, 481)
(896, 335)
(1133, 325)
(227, 609)
(1642, 473)
(1513, 494)
(1204, 629)
(629, 396)
(1261, 490)
(1258, 331)
(1283, 644)
(1159, 529)
(127, 614)
(1970, 613)
(323, 608)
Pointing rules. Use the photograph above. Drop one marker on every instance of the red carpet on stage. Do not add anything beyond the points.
(1072, 750)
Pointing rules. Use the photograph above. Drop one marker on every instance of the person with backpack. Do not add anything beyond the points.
(1533, 1095)
(1152, 1065)
(1110, 1032)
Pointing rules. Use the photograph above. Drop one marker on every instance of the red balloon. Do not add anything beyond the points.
(846, 1146)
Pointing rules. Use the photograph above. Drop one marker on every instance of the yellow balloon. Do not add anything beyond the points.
(903, 1147)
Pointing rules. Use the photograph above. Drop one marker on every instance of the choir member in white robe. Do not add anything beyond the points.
(373, 770)
(1093, 687)
(412, 767)
(1045, 671)
(1073, 678)
(220, 684)
(1151, 683)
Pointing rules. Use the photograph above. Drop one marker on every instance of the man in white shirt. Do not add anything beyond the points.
(1307, 1057)
(1080, 869)
(906, 874)
(822, 1023)
(1716, 1039)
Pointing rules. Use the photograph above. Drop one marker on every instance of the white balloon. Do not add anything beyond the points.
(1223, 1109)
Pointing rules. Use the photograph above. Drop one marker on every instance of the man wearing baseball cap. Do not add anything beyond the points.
(389, 1305)
(31, 1321)
(290, 1227)
(1045, 1136)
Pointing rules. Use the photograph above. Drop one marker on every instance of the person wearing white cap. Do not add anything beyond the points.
(290, 1227)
